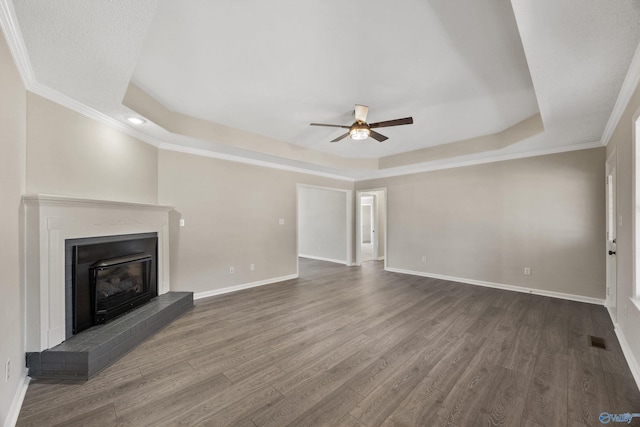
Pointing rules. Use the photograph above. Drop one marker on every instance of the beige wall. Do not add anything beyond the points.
(69, 154)
(12, 182)
(488, 222)
(48, 149)
(322, 223)
(231, 212)
(628, 315)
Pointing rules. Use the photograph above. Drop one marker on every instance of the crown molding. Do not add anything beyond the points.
(11, 29)
(399, 171)
(77, 106)
(249, 161)
(629, 85)
(429, 167)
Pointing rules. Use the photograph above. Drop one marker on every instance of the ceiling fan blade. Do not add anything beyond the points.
(377, 136)
(331, 126)
(341, 137)
(396, 122)
(361, 113)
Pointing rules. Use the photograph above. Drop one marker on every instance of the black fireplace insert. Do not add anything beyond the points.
(119, 284)
(112, 278)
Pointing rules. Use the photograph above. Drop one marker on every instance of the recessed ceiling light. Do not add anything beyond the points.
(136, 120)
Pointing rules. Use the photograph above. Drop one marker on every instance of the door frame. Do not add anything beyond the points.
(349, 215)
(611, 289)
(377, 205)
(635, 199)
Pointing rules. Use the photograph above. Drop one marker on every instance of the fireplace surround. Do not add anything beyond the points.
(49, 222)
(124, 250)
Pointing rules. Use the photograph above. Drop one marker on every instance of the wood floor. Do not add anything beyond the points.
(348, 346)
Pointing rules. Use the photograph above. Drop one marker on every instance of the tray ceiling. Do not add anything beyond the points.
(245, 79)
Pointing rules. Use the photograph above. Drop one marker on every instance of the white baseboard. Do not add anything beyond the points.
(337, 261)
(571, 297)
(18, 398)
(628, 354)
(200, 295)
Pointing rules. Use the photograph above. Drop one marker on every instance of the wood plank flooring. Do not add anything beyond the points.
(348, 346)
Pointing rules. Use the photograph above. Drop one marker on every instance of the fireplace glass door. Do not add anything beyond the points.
(119, 284)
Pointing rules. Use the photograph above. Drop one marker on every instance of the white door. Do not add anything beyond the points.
(611, 240)
(367, 209)
(374, 227)
(367, 224)
(376, 199)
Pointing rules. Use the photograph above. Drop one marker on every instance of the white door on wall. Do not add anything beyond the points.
(366, 223)
(374, 226)
(368, 238)
(611, 217)
(371, 225)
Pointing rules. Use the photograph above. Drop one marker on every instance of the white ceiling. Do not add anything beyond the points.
(277, 66)
(462, 69)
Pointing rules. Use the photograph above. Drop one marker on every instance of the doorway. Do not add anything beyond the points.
(371, 225)
(324, 223)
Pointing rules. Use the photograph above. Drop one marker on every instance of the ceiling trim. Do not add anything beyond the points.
(246, 160)
(493, 142)
(429, 167)
(78, 107)
(12, 34)
(629, 85)
(184, 125)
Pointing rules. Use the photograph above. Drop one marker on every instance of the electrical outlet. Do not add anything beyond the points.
(424, 259)
(232, 270)
(252, 267)
(527, 271)
(7, 370)
(182, 223)
(281, 221)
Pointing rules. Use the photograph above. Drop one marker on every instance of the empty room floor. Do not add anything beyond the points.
(351, 346)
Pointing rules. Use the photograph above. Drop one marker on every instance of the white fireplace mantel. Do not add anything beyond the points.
(49, 221)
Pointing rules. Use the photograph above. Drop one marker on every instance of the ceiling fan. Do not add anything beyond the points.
(360, 129)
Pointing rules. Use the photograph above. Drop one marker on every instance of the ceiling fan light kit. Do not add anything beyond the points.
(360, 129)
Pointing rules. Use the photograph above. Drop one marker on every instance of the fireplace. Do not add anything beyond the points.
(70, 244)
(53, 225)
(110, 276)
